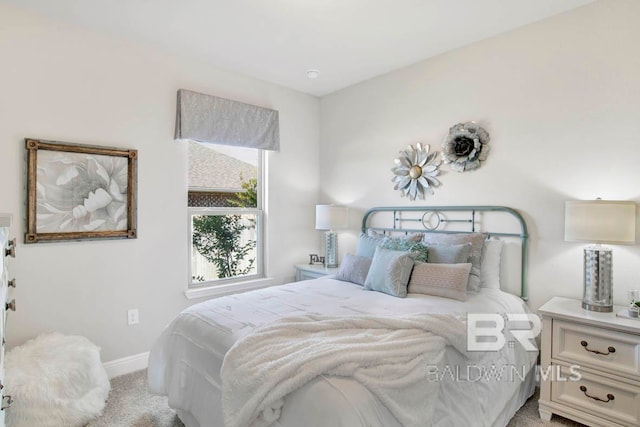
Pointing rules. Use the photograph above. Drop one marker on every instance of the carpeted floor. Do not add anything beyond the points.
(131, 405)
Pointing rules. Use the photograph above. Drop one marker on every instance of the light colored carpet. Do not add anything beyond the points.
(130, 404)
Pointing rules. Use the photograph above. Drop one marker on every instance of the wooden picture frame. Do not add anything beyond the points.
(78, 192)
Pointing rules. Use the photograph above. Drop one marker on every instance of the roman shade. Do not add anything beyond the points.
(209, 119)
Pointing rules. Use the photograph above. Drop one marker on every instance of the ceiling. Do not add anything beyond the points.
(349, 41)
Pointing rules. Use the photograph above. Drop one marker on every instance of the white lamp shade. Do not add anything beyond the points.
(600, 221)
(331, 217)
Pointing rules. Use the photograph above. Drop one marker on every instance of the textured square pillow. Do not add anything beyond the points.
(354, 269)
(367, 243)
(441, 280)
(454, 254)
(477, 242)
(490, 270)
(420, 250)
(416, 237)
(390, 272)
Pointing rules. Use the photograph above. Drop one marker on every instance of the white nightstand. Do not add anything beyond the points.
(312, 271)
(600, 348)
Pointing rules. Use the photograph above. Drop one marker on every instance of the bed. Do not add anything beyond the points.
(187, 362)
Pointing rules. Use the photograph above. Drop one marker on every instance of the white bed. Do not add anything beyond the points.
(186, 360)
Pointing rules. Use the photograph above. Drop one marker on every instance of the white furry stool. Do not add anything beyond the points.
(55, 380)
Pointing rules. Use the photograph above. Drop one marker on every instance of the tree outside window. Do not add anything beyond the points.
(225, 214)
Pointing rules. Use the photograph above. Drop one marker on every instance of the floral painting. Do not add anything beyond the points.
(78, 192)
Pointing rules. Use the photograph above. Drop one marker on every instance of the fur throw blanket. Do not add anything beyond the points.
(390, 356)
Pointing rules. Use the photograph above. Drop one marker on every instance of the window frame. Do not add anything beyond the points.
(194, 288)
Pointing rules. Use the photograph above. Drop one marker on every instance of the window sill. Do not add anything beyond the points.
(231, 288)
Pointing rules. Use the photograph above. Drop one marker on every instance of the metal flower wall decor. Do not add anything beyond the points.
(415, 171)
(465, 146)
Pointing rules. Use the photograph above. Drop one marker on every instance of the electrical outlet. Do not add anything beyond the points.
(133, 317)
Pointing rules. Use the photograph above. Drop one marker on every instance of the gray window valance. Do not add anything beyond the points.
(206, 118)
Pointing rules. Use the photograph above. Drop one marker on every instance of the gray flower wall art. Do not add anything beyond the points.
(465, 146)
(415, 171)
(80, 192)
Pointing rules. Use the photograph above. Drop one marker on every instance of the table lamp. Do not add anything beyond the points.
(599, 221)
(330, 218)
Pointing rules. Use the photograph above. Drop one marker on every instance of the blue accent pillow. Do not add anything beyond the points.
(453, 254)
(367, 245)
(390, 272)
(354, 269)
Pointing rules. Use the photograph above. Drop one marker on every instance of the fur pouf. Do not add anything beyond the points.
(55, 380)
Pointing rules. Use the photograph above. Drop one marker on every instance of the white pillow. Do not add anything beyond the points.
(490, 268)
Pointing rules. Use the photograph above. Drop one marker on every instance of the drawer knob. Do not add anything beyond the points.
(10, 251)
(11, 305)
(11, 248)
(11, 283)
(609, 350)
(610, 396)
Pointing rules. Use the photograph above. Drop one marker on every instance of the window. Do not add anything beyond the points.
(225, 213)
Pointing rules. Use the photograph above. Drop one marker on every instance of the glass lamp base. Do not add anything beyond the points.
(331, 249)
(598, 283)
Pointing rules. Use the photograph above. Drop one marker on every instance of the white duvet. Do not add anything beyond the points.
(186, 361)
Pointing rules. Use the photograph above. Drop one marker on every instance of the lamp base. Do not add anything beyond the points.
(598, 308)
(598, 283)
(330, 249)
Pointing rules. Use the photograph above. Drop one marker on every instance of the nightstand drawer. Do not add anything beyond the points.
(612, 351)
(312, 271)
(308, 275)
(616, 401)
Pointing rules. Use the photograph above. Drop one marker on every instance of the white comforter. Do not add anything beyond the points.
(186, 360)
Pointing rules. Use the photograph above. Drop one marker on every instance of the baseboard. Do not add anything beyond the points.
(126, 365)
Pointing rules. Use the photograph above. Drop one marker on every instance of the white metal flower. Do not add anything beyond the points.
(415, 171)
(465, 146)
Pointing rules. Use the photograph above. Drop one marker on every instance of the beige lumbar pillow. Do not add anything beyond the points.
(441, 280)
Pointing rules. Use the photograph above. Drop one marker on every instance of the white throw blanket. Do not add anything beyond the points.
(391, 356)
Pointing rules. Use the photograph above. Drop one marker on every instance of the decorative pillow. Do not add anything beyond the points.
(490, 271)
(368, 242)
(454, 254)
(477, 242)
(420, 250)
(390, 272)
(354, 269)
(441, 280)
(416, 237)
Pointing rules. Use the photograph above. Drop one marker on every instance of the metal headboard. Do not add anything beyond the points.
(433, 218)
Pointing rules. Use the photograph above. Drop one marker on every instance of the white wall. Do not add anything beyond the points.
(561, 101)
(67, 84)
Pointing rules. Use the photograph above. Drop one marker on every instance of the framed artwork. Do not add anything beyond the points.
(77, 192)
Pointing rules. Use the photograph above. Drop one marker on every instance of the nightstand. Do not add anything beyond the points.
(590, 368)
(312, 271)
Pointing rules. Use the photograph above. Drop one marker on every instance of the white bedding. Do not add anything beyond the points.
(185, 361)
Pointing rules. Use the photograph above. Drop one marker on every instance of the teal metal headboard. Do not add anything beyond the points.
(433, 217)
